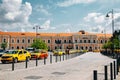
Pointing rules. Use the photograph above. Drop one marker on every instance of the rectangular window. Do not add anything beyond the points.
(18, 41)
(80, 41)
(75, 41)
(48, 41)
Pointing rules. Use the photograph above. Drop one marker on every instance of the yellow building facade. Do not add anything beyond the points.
(80, 40)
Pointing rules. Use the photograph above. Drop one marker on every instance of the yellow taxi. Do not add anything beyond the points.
(58, 52)
(18, 55)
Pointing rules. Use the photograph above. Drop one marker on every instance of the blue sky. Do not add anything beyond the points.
(58, 15)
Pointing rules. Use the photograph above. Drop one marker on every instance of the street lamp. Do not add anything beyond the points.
(112, 16)
(36, 30)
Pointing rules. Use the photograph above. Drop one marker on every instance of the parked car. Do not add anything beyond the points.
(18, 55)
(44, 54)
(35, 54)
(30, 49)
(58, 52)
(39, 54)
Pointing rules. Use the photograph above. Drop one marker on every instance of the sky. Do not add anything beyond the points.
(59, 16)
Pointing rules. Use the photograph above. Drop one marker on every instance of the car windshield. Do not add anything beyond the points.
(11, 52)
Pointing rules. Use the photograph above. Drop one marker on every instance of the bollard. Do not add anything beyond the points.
(117, 66)
(63, 57)
(111, 71)
(114, 70)
(56, 59)
(13, 64)
(60, 57)
(95, 75)
(26, 62)
(44, 61)
(51, 59)
(36, 61)
(66, 56)
(106, 72)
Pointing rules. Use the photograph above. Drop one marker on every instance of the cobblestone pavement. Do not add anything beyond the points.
(78, 68)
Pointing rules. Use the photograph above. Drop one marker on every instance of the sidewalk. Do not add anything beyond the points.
(78, 68)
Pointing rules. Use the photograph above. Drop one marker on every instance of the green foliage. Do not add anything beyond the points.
(4, 45)
(114, 41)
(39, 44)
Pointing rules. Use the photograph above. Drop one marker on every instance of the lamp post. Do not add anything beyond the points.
(112, 16)
(36, 30)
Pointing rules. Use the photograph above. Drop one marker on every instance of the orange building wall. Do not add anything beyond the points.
(73, 37)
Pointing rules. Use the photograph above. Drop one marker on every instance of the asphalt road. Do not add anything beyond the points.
(32, 63)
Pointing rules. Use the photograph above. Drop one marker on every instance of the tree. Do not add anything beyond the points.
(39, 44)
(4, 45)
(114, 41)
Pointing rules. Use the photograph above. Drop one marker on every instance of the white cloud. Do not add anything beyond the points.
(97, 28)
(42, 9)
(67, 3)
(46, 25)
(68, 30)
(95, 17)
(13, 12)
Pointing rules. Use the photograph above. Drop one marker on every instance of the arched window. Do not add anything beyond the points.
(18, 40)
(23, 41)
(17, 47)
(29, 41)
(101, 41)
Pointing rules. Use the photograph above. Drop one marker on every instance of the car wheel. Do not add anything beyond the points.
(3, 62)
(15, 60)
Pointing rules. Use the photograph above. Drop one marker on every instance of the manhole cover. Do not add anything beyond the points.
(59, 73)
(33, 77)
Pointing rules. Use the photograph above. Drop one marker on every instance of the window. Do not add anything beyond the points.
(25, 52)
(86, 47)
(23, 41)
(64, 41)
(84, 41)
(88, 41)
(12, 47)
(48, 41)
(70, 41)
(4, 40)
(80, 41)
(76, 47)
(75, 41)
(17, 47)
(20, 52)
(18, 41)
(94, 41)
(29, 41)
(12, 40)
(101, 41)
(22, 47)
(55, 47)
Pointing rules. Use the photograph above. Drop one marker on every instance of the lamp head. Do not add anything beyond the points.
(107, 15)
